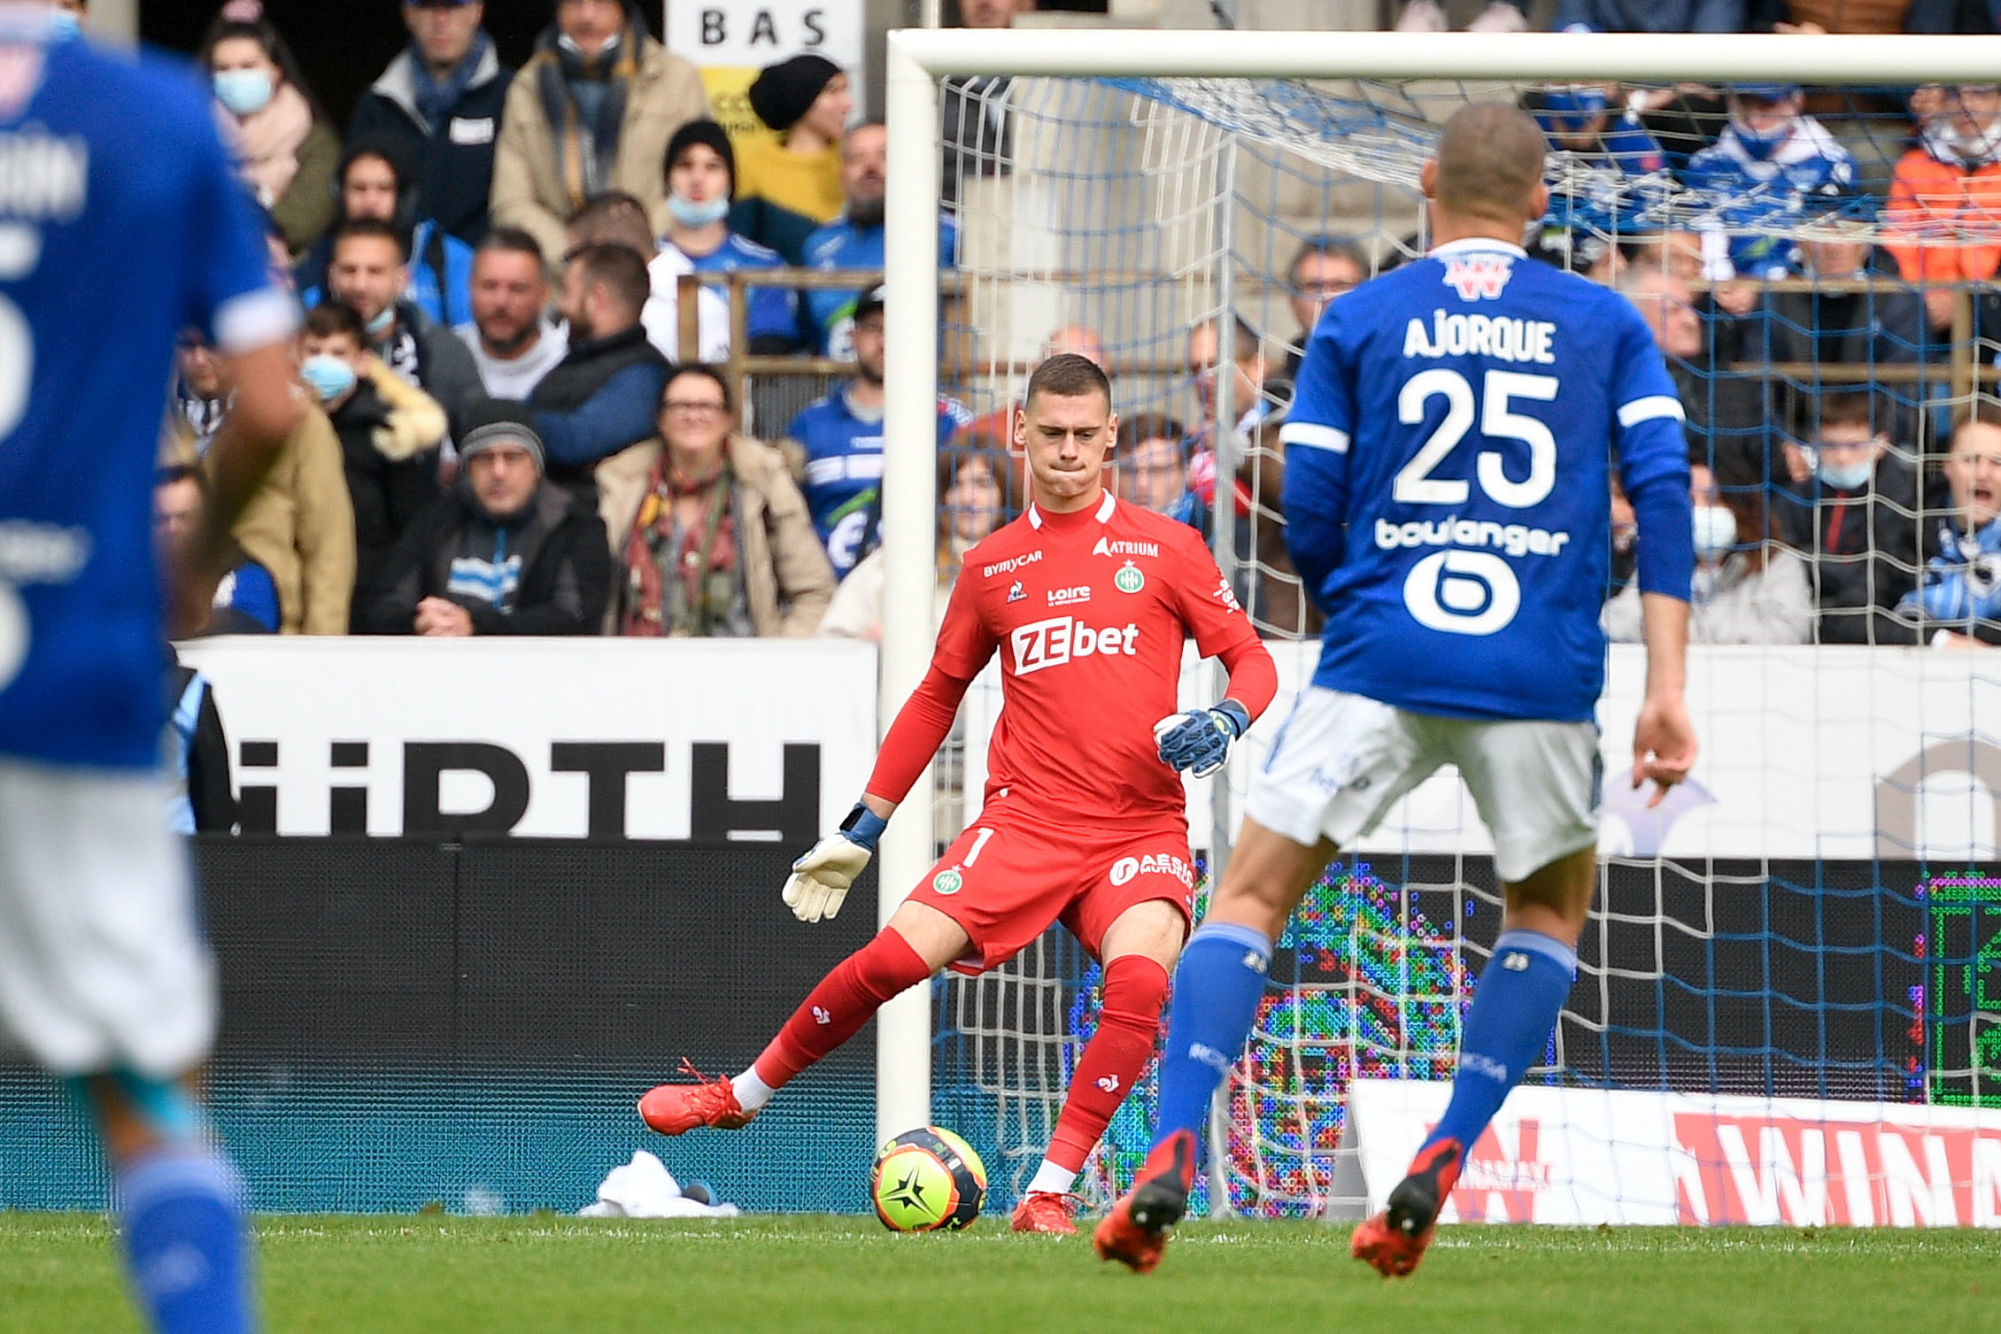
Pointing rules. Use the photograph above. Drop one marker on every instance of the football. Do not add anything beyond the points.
(927, 1180)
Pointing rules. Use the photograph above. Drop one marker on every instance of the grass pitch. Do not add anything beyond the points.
(438, 1275)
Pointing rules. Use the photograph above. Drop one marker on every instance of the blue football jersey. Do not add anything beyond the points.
(843, 460)
(1447, 486)
(121, 224)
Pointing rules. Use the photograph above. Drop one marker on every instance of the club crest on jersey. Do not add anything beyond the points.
(1129, 579)
(948, 882)
(1479, 277)
(1017, 593)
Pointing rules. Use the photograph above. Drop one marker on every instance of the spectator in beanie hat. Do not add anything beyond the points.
(501, 553)
(788, 185)
(701, 182)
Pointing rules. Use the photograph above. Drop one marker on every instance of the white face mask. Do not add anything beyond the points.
(1715, 531)
(244, 91)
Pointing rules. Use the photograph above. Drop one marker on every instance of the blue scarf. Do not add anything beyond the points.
(435, 100)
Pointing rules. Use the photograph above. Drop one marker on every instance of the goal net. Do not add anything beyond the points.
(1789, 999)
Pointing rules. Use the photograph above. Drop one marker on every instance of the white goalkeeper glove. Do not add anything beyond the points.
(820, 879)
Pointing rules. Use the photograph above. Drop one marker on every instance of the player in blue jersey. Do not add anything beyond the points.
(1448, 506)
(121, 224)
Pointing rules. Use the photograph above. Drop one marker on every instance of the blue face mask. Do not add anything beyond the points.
(244, 91)
(380, 324)
(329, 376)
(1715, 531)
(691, 214)
(1846, 476)
(63, 26)
(1761, 145)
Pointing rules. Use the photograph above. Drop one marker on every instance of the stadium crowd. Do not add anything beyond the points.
(510, 435)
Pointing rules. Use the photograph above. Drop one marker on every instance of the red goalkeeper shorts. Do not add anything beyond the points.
(1006, 881)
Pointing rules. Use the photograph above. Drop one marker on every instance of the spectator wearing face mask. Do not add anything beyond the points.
(1747, 588)
(1770, 162)
(701, 182)
(1945, 196)
(789, 182)
(590, 112)
(389, 435)
(285, 149)
(1610, 155)
(1851, 506)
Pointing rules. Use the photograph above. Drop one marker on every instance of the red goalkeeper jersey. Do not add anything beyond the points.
(1088, 611)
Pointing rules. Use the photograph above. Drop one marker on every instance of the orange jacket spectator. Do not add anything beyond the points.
(1945, 209)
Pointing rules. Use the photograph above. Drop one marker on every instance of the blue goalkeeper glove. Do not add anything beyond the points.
(1198, 741)
(820, 879)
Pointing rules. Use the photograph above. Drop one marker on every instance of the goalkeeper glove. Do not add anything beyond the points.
(1198, 741)
(820, 879)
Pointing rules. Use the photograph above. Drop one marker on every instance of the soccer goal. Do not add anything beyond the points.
(1790, 1001)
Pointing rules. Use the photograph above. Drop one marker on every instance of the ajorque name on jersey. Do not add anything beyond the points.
(1011, 564)
(1062, 639)
(1500, 336)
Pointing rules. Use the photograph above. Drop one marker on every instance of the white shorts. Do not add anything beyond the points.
(103, 964)
(1341, 761)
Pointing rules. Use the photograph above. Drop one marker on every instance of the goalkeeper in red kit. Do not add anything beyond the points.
(1088, 602)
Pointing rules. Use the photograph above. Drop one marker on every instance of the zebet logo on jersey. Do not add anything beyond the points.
(1062, 639)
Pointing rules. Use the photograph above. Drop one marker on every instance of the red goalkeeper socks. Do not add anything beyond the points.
(1128, 1019)
(845, 1000)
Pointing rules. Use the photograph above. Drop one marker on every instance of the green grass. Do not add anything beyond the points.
(518, 1275)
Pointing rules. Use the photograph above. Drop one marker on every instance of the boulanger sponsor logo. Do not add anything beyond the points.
(1062, 639)
(1011, 564)
(1125, 868)
(948, 882)
(1107, 547)
(1129, 579)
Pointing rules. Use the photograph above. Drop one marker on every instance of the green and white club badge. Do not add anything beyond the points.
(948, 882)
(1129, 579)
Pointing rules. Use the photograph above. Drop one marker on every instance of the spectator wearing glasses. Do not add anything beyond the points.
(714, 540)
(1321, 269)
(502, 552)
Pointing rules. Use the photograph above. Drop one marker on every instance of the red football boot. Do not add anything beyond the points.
(1135, 1232)
(675, 1109)
(1394, 1240)
(1046, 1211)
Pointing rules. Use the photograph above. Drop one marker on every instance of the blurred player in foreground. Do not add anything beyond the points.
(1447, 505)
(121, 223)
(1088, 602)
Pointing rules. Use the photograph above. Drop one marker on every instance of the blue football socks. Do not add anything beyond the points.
(1216, 994)
(1515, 1007)
(184, 1241)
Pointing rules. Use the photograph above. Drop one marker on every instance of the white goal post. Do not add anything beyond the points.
(919, 58)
